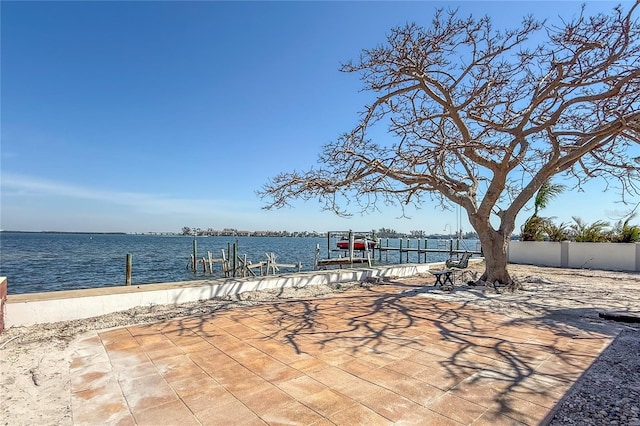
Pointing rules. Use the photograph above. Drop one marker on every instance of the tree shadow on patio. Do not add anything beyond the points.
(491, 360)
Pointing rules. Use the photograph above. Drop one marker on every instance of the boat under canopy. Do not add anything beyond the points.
(358, 244)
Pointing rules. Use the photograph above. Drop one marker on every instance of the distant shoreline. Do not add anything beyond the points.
(242, 234)
(63, 232)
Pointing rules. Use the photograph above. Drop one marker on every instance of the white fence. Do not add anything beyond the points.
(567, 254)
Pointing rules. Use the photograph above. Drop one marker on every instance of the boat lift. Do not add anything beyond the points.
(348, 255)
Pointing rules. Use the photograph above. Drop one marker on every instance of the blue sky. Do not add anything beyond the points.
(151, 116)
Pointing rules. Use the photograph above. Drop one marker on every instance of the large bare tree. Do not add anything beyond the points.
(482, 118)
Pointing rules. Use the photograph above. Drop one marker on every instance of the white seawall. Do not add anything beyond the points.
(40, 308)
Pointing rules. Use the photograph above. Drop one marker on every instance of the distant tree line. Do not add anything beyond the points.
(232, 232)
(391, 233)
(380, 233)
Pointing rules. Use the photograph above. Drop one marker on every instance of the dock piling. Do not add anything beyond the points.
(234, 259)
(195, 254)
(351, 244)
(128, 268)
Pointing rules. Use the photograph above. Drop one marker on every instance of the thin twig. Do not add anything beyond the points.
(7, 342)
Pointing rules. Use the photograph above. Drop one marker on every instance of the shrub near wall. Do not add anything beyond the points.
(606, 256)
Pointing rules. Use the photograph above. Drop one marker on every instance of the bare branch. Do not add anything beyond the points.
(484, 118)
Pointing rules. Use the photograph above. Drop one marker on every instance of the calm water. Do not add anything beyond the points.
(38, 262)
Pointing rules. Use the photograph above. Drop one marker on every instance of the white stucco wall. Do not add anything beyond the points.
(535, 253)
(609, 256)
(606, 256)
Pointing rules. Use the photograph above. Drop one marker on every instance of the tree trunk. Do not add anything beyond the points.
(494, 247)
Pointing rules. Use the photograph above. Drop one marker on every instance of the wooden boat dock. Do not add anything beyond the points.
(406, 249)
(341, 261)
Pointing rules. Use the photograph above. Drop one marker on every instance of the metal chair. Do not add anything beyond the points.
(462, 263)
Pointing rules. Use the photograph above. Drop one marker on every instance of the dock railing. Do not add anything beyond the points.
(421, 248)
(405, 249)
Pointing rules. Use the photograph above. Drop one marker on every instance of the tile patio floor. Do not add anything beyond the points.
(387, 355)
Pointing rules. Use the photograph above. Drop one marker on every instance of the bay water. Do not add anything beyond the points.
(43, 262)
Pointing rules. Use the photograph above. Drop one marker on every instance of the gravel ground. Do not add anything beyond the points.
(608, 393)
